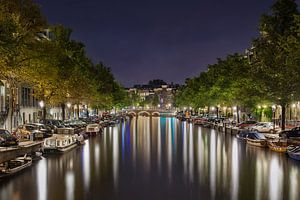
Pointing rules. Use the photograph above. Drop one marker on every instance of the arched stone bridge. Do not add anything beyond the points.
(149, 112)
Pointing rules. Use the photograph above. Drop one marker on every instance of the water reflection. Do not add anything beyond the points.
(213, 163)
(234, 170)
(275, 178)
(42, 179)
(86, 165)
(115, 149)
(159, 158)
(69, 180)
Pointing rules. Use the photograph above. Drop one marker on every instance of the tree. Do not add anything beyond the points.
(20, 21)
(272, 64)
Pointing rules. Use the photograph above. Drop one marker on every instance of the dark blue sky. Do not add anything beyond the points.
(167, 39)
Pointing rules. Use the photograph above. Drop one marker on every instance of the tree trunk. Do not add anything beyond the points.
(77, 111)
(63, 111)
(11, 110)
(87, 111)
(237, 114)
(217, 112)
(283, 116)
(44, 113)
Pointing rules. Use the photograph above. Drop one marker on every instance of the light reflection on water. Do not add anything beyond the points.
(159, 158)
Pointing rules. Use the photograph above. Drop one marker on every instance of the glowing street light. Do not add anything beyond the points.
(69, 105)
(42, 104)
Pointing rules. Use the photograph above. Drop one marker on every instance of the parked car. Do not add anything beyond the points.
(46, 130)
(29, 130)
(245, 124)
(53, 124)
(293, 133)
(78, 125)
(7, 139)
(264, 127)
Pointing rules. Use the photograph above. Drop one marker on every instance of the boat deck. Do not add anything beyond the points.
(9, 153)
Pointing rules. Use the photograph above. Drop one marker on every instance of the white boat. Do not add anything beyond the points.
(59, 143)
(16, 165)
(93, 129)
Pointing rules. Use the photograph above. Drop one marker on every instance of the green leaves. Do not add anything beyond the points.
(49, 61)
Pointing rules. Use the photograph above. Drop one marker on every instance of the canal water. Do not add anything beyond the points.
(158, 158)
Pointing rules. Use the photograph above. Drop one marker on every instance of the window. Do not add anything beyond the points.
(25, 101)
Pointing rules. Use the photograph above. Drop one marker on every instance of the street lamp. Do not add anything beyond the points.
(69, 106)
(42, 104)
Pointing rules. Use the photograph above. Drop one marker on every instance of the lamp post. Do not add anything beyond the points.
(274, 122)
(42, 105)
(69, 106)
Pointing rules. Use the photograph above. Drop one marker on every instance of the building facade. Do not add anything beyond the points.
(157, 95)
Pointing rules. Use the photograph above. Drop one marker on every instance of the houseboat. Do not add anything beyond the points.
(59, 143)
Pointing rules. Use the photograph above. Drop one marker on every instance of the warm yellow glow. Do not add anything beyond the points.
(42, 104)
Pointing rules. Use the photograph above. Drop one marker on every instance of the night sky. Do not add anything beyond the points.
(166, 39)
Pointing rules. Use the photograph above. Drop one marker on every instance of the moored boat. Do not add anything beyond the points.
(294, 152)
(256, 139)
(14, 166)
(242, 134)
(59, 143)
(278, 145)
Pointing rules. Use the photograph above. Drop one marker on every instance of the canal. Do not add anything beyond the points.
(158, 158)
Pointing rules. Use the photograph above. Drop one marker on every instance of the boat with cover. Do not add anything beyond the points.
(278, 145)
(59, 143)
(242, 135)
(256, 139)
(294, 152)
(14, 166)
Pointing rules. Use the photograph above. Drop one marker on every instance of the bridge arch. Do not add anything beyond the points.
(156, 114)
(144, 113)
(131, 113)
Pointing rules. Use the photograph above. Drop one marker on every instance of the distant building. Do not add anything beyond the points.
(156, 89)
